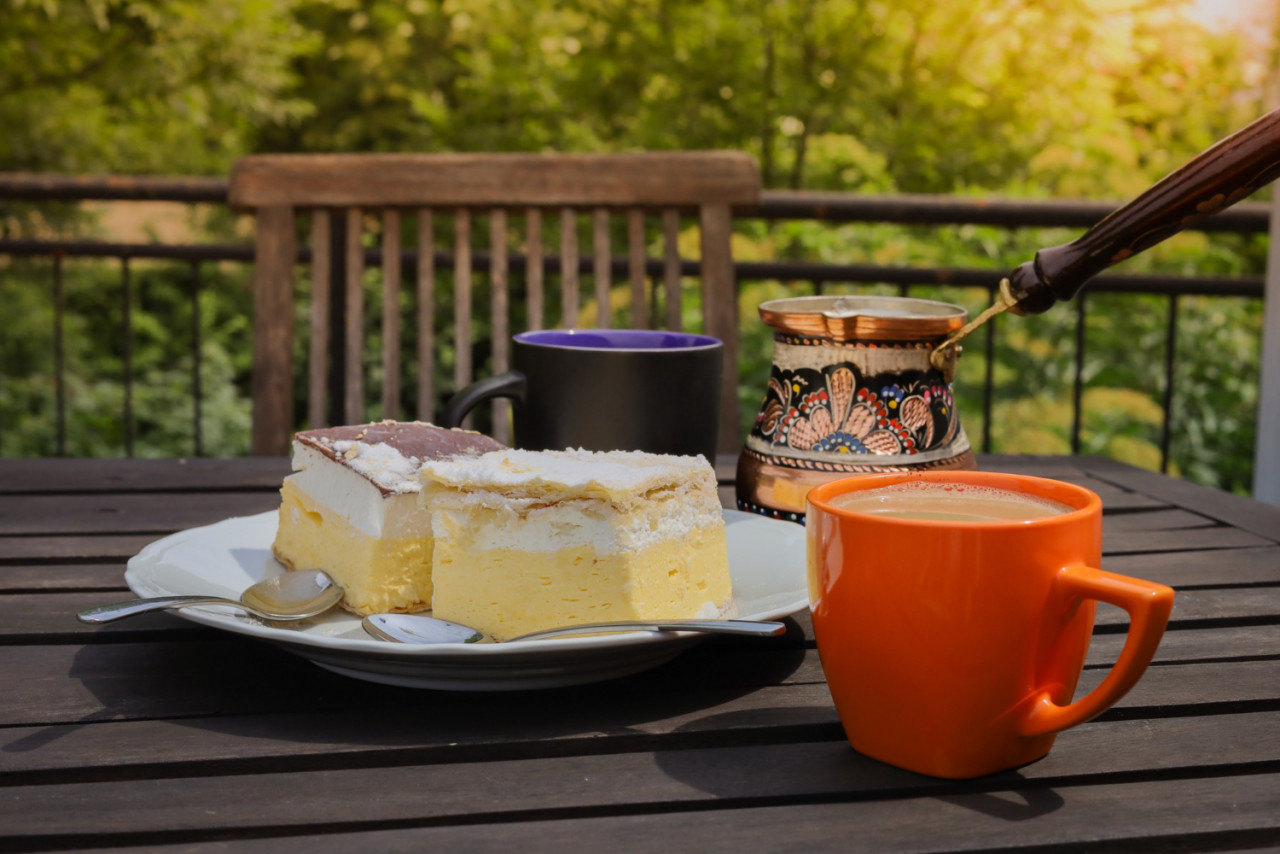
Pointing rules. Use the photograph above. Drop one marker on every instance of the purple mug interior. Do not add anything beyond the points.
(616, 339)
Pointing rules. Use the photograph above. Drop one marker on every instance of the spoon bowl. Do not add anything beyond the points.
(418, 629)
(285, 597)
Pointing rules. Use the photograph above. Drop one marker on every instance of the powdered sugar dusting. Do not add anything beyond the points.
(576, 472)
(385, 466)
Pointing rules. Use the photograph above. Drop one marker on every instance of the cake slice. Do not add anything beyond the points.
(529, 540)
(351, 508)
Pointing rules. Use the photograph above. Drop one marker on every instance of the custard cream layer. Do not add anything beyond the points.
(532, 540)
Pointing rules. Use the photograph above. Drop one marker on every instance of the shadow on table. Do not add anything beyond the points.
(255, 694)
(807, 759)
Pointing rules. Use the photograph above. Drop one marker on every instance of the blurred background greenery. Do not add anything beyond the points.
(1087, 99)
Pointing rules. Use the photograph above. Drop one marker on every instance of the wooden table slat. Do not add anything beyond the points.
(64, 548)
(147, 512)
(83, 475)
(807, 771)
(1200, 568)
(1209, 813)
(1243, 513)
(1235, 605)
(63, 577)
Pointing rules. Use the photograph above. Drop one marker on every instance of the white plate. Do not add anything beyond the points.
(766, 563)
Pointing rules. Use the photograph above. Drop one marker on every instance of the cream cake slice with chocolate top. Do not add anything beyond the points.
(351, 508)
(529, 540)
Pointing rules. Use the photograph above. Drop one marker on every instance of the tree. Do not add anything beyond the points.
(1086, 98)
(170, 86)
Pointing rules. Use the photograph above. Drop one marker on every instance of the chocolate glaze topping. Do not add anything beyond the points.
(416, 441)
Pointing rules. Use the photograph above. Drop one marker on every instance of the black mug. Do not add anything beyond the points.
(607, 390)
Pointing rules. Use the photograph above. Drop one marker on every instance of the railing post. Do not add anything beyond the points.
(989, 377)
(197, 361)
(59, 356)
(1266, 442)
(126, 285)
(1077, 384)
(1170, 372)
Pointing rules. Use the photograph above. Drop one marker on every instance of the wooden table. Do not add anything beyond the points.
(161, 734)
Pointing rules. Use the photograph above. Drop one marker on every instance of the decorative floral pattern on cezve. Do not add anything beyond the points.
(838, 410)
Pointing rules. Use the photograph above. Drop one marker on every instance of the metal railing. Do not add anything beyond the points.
(775, 206)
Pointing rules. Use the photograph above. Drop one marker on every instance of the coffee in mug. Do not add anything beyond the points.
(953, 647)
(948, 502)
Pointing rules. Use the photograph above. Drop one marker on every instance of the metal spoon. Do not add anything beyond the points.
(284, 597)
(415, 628)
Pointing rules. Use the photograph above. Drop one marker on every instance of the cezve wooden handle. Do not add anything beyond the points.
(1215, 179)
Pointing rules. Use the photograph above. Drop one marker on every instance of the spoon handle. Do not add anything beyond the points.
(755, 628)
(120, 610)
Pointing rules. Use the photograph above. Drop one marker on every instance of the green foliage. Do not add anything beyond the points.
(170, 86)
(158, 345)
(1043, 98)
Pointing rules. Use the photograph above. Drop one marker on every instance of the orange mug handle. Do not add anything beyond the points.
(1148, 604)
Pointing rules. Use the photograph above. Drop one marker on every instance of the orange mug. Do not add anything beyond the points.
(953, 648)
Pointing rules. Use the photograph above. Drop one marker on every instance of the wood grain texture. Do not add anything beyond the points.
(601, 266)
(64, 547)
(1159, 814)
(1198, 645)
(1253, 516)
(1235, 605)
(671, 269)
(138, 676)
(499, 320)
(57, 515)
(1211, 813)
(391, 335)
(353, 320)
(636, 269)
(462, 365)
(318, 361)
(69, 475)
(1157, 520)
(1121, 542)
(34, 578)
(272, 382)
(535, 269)
(426, 335)
(1201, 568)
(720, 314)
(158, 734)
(568, 269)
(806, 772)
(437, 180)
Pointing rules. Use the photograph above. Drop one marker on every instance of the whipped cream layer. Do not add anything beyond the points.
(354, 496)
(613, 501)
(374, 484)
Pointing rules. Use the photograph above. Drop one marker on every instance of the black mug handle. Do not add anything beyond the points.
(511, 384)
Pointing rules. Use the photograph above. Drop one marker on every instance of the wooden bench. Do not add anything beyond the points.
(393, 187)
